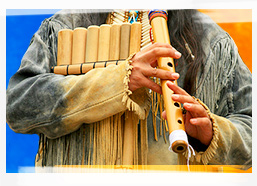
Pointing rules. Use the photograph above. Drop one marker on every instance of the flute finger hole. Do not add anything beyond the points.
(180, 121)
(176, 104)
(170, 64)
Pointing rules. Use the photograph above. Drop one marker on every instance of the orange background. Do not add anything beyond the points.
(238, 23)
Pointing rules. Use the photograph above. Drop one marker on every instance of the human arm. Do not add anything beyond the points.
(233, 116)
(226, 92)
(42, 102)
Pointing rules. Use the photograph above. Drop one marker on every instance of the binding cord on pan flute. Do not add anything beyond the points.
(177, 135)
(79, 52)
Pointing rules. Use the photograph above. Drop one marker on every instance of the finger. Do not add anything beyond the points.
(196, 110)
(165, 45)
(153, 54)
(183, 98)
(200, 121)
(176, 89)
(160, 73)
(154, 64)
(164, 116)
(151, 47)
(152, 85)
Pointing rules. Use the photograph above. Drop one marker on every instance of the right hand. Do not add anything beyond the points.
(144, 63)
(197, 120)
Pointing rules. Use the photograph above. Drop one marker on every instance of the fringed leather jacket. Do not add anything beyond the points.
(60, 108)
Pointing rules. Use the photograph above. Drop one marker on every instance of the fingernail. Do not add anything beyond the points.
(169, 83)
(177, 54)
(188, 105)
(175, 75)
(174, 96)
(193, 121)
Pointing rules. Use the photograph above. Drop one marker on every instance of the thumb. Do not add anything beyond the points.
(164, 116)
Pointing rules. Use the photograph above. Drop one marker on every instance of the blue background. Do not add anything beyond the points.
(21, 149)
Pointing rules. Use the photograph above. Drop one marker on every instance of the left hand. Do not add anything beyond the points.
(197, 122)
(144, 63)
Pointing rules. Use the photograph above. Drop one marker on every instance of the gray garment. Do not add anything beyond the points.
(36, 103)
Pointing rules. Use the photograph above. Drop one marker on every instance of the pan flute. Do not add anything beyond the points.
(81, 50)
(84, 49)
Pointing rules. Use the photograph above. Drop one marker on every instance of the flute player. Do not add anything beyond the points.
(61, 109)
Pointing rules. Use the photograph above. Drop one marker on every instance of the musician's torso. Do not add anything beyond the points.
(157, 151)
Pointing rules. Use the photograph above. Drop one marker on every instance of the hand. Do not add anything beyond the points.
(197, 122)
(144, 63)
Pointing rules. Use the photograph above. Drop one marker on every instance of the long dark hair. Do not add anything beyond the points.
(184, 29)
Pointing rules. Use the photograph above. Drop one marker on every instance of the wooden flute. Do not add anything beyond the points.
(158, 21)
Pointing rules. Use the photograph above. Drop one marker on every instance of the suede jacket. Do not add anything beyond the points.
(56, 106)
